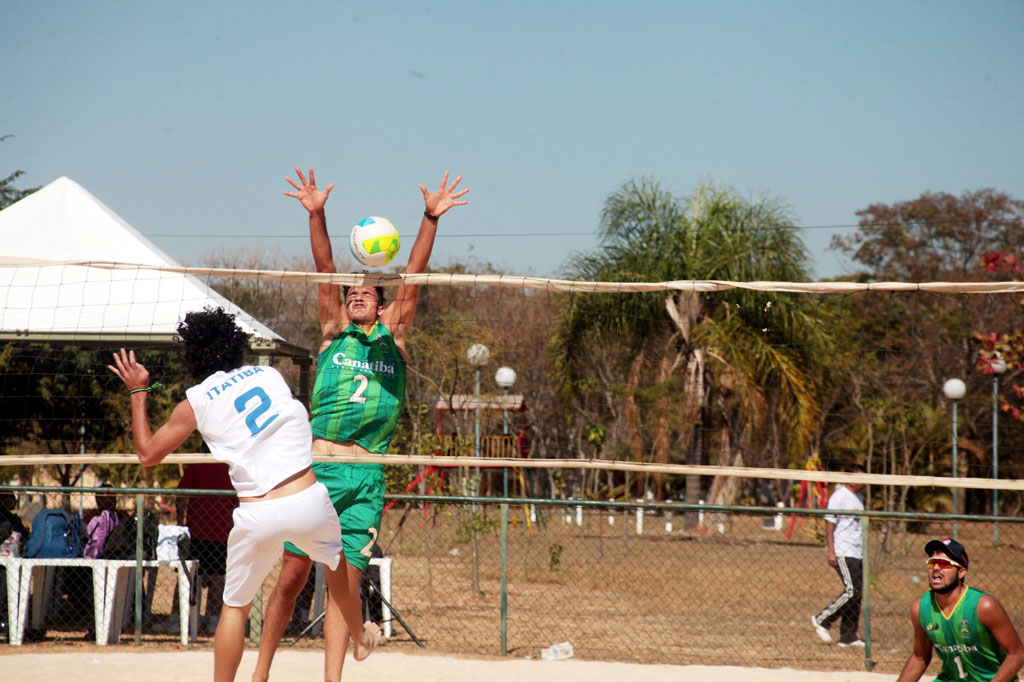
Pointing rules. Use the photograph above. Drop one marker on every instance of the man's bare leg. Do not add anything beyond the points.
(291, 580)
(344, 619)
(229, 642)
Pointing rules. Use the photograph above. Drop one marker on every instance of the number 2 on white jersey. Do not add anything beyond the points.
(357, 395)
(250, 419)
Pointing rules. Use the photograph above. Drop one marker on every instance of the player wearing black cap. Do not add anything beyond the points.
(968, 628)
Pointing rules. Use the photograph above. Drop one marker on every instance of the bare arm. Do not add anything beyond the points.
(922, 655)
(992, 615)
(151, 447)
(398, 315)
(333, 316)
(830, 543)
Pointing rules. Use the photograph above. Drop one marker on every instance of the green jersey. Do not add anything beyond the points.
(967, 648)
(360, 388)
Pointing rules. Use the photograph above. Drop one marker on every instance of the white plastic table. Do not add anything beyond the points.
(111, 585)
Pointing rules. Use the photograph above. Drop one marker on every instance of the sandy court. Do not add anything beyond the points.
(291, 666)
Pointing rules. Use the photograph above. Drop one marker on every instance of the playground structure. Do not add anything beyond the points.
(506, 444)
(812, 495)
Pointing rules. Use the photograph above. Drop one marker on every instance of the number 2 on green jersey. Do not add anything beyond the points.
(357, 395)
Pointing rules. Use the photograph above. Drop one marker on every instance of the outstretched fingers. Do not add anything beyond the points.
(133, 374)
(123, 359)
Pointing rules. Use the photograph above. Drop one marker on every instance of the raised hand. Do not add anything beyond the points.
(133, 374)
(437, 203)
(309, 195)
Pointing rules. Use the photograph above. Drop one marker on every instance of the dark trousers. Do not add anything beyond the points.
(847, 605)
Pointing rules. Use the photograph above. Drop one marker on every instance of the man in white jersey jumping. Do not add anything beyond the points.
(250, 421)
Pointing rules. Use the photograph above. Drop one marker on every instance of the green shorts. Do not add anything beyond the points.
(357, 492)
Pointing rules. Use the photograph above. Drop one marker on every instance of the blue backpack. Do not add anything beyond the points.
(55, 535)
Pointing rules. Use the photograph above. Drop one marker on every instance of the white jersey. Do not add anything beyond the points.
(250, 420)
(846, 536)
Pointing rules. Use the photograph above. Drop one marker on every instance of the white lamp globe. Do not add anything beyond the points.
(478, 354)
(998, 364)
(954, 389)
(505, 377)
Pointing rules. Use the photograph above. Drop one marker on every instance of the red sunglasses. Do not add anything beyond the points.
(942, 564)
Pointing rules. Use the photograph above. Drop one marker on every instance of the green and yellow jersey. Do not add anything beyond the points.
(966, 647)
(360, 388)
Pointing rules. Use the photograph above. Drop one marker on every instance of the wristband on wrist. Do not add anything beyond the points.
(147, 389)
(430, 216)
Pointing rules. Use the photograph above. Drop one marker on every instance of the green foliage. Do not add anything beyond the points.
(8, 192)
(477, 523)
(555, 556)
(63, 400)
(656, 361)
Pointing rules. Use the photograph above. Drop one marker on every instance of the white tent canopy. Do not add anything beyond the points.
(63, 221)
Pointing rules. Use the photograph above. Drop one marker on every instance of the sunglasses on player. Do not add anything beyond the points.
(942, 564)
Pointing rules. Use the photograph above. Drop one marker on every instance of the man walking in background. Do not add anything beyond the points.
(843, 540)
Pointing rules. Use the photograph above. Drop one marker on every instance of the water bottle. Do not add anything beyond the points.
(557, 652)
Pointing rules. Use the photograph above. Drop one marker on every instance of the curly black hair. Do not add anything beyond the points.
(213, 342)
(379, 289)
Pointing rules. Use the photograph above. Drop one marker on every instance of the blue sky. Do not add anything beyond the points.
(185, 117)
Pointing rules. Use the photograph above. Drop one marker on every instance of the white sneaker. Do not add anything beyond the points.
(855, 643)
(822, 633)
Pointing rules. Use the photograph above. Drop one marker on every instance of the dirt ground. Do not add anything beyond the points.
(104, 665)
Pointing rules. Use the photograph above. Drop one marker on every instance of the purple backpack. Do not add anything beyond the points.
(97, 531)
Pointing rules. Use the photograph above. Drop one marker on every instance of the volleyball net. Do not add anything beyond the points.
(763, 374)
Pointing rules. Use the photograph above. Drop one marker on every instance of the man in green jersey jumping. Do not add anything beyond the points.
(967, 627)
(356, 402)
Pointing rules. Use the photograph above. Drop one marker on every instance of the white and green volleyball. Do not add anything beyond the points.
(374, 241)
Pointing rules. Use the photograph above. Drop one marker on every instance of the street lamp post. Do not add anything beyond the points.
(998, 367)
(955, 390)
(506, 378)
(478, 355)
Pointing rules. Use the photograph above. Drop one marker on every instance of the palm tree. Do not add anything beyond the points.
(748, 352)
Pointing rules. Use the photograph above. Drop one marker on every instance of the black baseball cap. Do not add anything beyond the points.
(950, 547)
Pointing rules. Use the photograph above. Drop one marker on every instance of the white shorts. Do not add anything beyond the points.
(306, 518)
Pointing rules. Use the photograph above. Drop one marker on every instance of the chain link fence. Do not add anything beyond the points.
(623, 582)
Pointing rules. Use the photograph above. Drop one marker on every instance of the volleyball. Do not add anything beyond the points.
(374, 241)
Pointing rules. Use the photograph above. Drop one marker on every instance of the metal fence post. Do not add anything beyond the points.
(139, 528)
(504, 579)
(866, 588)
